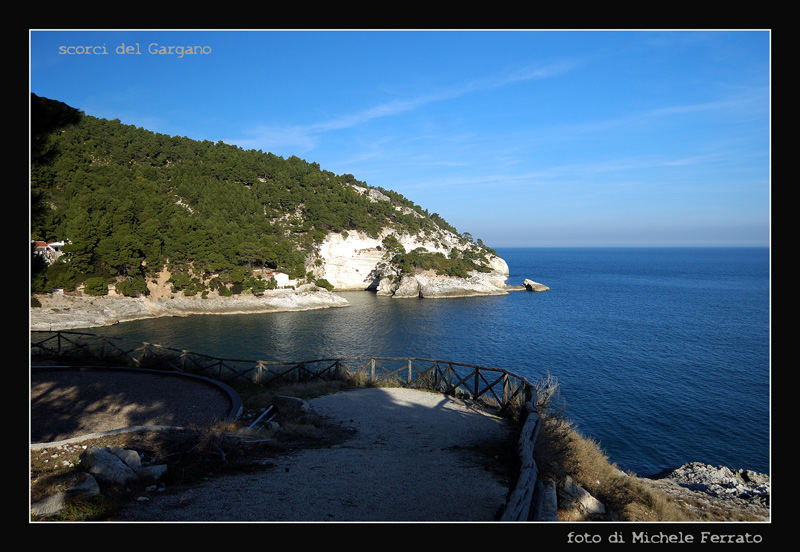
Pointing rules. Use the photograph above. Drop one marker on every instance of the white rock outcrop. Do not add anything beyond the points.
(430, 285)
(357, 262)
(530, 285)
(349, 262)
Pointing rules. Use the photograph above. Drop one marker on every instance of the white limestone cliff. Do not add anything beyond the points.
(357, 262)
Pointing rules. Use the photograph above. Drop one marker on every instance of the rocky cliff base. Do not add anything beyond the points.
(430, 285)
(64, 312)
(717, 492)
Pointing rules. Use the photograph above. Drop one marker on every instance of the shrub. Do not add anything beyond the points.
(132, 288)
(323, 283)
(457, 264)
(95, 286)
(61, 275)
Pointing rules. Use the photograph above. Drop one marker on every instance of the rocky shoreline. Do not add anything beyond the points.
(717, 492)
(68, 311)
(60, 311)
(428, 284)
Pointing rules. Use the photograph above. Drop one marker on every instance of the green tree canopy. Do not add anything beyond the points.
(130, 200)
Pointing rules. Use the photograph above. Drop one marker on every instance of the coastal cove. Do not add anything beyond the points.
(662, 355)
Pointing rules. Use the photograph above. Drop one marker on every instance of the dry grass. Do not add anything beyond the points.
(562, 450)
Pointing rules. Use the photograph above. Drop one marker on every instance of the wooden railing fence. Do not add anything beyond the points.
(496, 388)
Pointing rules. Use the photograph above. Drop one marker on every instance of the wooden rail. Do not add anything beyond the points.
(496, 388)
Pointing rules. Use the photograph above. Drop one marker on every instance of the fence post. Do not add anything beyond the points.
(143, 357)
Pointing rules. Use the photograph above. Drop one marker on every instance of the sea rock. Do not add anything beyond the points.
(408, 287)
(432, 285)
(530, 285)
(428, 284)
(387, 285)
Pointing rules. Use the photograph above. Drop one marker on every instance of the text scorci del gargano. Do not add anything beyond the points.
(134, 49)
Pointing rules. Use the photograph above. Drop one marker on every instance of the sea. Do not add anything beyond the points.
(662, 355)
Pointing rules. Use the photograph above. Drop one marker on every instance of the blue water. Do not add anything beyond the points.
(662, 355)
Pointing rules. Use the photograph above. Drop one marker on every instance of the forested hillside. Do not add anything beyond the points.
(131, 202)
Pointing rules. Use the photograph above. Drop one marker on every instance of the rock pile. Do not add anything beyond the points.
(118, 465)
(743, 491)
(720, 481)
(106, 466)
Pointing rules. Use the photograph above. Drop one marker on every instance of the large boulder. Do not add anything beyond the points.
(105, 465)
(408, 287)
(118, 465)
(530, 285)
(578, 502)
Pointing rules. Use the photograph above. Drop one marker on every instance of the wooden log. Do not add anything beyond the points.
(520, 502)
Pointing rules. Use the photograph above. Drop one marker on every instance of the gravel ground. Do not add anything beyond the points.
(406, 462)
(67, 403)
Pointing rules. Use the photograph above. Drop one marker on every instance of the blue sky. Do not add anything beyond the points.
(521, 138)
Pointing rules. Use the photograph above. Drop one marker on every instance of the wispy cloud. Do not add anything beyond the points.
(305, 136)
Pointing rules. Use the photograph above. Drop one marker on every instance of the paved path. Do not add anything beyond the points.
(406, 462)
